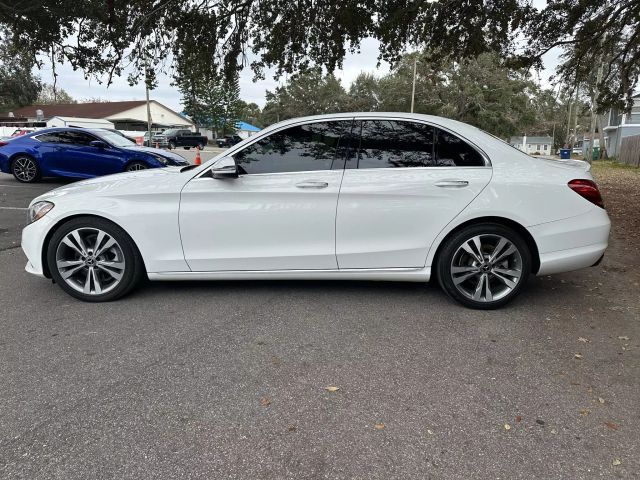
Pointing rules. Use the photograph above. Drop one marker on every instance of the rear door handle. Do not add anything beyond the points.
(452, 183)
(312, 184)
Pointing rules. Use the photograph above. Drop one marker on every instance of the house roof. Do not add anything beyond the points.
(247, 127)
(530, 140)
(85, 110)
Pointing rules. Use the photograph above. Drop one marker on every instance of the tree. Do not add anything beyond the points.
(50, 96)
(308, 93)
(18, 85)
(250, 113)
(102, 37)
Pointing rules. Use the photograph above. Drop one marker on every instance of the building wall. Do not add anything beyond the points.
(159, 115)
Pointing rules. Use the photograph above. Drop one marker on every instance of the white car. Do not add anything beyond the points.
(363, 196)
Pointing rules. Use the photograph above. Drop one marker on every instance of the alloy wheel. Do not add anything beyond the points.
(25, 169)
(486, 268)
(90, 261)
(135, 167)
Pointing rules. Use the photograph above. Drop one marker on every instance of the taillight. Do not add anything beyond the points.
(587, 189)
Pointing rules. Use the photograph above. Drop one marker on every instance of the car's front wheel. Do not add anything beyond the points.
(484, 266)
(25, 169)
(94, 260)
(171, 145)
(135, 166)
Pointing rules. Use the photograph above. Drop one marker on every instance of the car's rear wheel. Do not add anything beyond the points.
(484, 266)
(25, 169)
(135, 166)
(94, 260)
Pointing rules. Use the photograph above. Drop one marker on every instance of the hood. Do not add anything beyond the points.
(115, 184)
(156, 151)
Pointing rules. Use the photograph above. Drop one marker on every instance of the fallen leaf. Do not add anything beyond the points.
(584, 412)
(292, 428)
(379, 426)
(553, 431)
(332, 389)
(584, 340)
(507, 426)
(518, 419)
(577, 355)
(611, 425)
(616, 462)
(601, 400)
(623, 337)
(265, 401)
(430, 432)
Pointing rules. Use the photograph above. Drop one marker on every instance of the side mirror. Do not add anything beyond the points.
(98, 144)
(225, 168)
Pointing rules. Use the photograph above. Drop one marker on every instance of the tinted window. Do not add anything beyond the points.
(452, 151)
(49, 138)
(315, 146)
(76, 138)
(388, 144)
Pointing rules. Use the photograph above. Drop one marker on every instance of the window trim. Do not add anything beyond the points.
(254, 138)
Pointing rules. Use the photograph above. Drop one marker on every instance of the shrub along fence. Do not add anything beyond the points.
(630, 151)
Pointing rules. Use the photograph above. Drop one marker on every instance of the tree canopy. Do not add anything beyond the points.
(18, 85)
(223, 36)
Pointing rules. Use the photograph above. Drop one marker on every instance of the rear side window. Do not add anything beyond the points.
(391, 144)
(452, 151)
(403, 144)
(315, 146)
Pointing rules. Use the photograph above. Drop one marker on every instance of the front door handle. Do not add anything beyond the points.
(452, 183)
(312, 184)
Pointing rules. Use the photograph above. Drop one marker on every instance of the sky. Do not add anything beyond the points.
(74, 83)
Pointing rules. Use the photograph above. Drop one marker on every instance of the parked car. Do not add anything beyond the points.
(118, 132)
(157, 139)
(184, 138)
(22, 131)
(78, 153)
(228, 141)
(364, 196)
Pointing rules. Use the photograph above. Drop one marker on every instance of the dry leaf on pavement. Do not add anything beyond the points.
(600, 399)
(616, 462)
(577, 355)
(611, 425)
(332, 389)
(623, 337)
(265, 401)
(379, 426)
(507, 426)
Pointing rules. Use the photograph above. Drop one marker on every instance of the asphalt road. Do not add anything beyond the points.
(227, 380)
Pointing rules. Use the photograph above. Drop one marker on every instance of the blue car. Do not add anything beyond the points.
(78, 153)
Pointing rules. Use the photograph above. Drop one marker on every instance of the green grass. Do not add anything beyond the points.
(612, 164)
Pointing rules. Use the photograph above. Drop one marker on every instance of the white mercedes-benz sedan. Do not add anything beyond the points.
(366, 196)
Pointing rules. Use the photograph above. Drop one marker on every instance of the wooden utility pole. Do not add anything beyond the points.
(146, 87)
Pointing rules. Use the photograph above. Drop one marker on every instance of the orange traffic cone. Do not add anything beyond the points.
(198, 159)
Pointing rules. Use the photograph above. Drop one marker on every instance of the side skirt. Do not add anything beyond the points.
(384, 274)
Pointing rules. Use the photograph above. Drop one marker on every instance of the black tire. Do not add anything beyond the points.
(507, 286)
(171, 145)
(135, 166)
(187, 148)
(132, 273)
(25, 169)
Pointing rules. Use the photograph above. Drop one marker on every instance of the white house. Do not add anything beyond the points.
(530, 145)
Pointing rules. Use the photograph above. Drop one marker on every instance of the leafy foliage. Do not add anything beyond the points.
(18, 85)
(49, 96)
(218, 35)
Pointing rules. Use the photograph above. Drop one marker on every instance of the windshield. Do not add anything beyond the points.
(116, 139)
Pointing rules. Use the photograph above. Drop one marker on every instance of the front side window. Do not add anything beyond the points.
(76, 138)
(310, 147)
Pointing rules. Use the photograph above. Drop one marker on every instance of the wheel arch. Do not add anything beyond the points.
(61, 222)
(506, 222)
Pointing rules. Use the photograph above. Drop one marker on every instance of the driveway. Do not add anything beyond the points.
(229, 380)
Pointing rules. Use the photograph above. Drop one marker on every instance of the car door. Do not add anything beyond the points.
(279, 214)
(50, 150)
(402, 185)
(85, 160)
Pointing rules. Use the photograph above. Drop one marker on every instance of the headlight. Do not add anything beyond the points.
(161, 159)
(38, 210)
